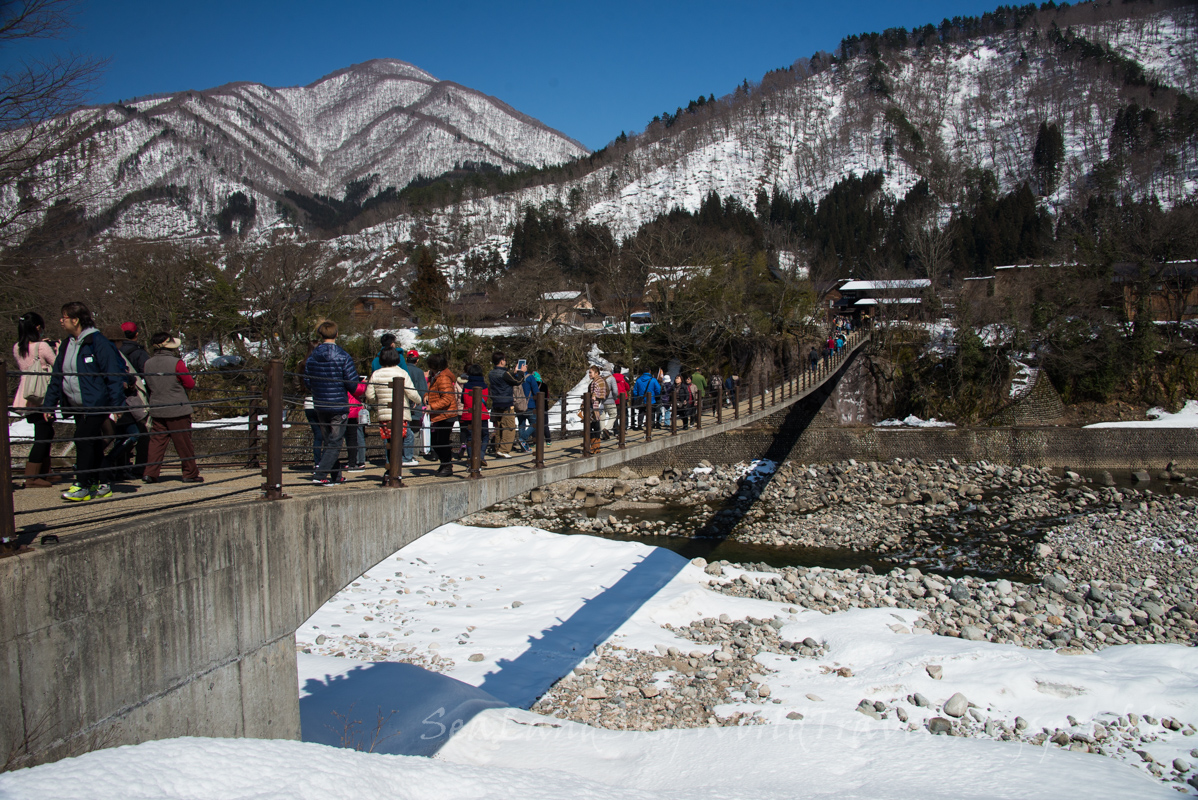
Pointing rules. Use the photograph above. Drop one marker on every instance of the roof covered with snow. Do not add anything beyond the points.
(865, 286)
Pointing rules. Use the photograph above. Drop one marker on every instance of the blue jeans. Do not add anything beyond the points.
(355, 435)
(332, 433)
(409, 445)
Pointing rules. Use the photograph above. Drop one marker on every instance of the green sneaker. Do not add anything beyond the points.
(77, 493)
(101, 490)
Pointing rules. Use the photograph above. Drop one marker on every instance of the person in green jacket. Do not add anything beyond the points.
(700, 384)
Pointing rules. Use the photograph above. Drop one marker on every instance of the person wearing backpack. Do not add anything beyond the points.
(135, 356)
(89, 383)
(167, 381)
(35, 358)
(645, 389)
(128, 430)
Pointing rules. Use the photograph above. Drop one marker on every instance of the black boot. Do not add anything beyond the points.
(446, 471)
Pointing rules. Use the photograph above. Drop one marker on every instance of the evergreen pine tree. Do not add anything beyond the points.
(429, 290)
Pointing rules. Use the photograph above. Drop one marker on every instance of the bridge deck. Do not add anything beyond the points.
(42, 511)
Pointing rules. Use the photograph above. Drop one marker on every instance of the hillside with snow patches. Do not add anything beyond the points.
(165, 167)
(383, 120)
(975, 104)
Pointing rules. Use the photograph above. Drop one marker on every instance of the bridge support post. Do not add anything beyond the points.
(476, 432)
(393, 477)
(254, 460)
(563, 415)
(586, 423)
(674, 412)
(699, 413)
(648, 416)
(274, 431)
(541, 423)
(719, 402)
(750, 399)
(8, 524)
(773, 391)
(761, 386)
(621, 416)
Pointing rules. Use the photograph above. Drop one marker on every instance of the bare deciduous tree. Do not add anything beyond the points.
(35, 129)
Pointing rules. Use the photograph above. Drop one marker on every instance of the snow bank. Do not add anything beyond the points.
(1159, 418)
(533, 604)
(912, 421)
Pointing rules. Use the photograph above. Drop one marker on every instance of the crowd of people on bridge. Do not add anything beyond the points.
(123, 400)
(128, 403)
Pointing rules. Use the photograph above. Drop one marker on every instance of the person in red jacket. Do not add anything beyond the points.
(475, 378)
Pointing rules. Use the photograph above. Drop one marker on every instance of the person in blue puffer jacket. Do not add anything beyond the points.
(331, 375)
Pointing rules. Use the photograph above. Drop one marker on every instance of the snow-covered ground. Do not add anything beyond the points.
(912, 421)
(1187, 417)
(527, 606)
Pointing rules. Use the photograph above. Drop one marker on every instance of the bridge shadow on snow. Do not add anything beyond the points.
(404, 709)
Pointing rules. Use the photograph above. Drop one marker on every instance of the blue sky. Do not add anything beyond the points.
(588, 69)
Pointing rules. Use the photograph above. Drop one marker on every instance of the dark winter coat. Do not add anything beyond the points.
(331, 374)
(501, 380)
(101, 375)
(136, 354)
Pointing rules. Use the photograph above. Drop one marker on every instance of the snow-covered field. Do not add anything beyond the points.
(1187, 417)
(502, 614)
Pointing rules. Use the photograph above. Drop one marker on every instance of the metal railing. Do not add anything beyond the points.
(262, 398)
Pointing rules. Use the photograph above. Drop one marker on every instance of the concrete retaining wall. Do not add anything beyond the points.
(806, 436)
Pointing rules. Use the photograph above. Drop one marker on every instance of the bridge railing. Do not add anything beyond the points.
(258, 422)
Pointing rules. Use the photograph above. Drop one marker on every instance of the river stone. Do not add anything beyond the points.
(1181, 765)
(1141, 476)
(959, 592)
(794, 715)
(1043, 550)
(321, 639)
(714, 569)
(1097, 594)
(1055, 583)
(935, 671)
(594, 693)
(699, 562)
(939, 725)
(920, 700)
(652, 690)
(973, 633)
(956, 706)
(1003, 587)
(653, 480)
(476, 657)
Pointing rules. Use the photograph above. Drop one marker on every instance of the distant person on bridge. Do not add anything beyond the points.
(136, 355)
(378, 394)
(598, 390)
(500, 381)
(420, 383)
(331, 375)
(813, 359)
(475, 380)
(167, 384)
(92, 387)
(527, 419)
(731, 390)
(700, 384)
(442, 401)
(645, 388)
(34, 356)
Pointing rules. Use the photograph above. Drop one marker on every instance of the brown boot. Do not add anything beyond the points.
(47, 468)
(32, 481)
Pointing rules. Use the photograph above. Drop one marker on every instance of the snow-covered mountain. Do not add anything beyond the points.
(972, 104)
(165, 166)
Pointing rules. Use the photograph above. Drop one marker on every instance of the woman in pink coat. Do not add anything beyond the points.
(31, 353)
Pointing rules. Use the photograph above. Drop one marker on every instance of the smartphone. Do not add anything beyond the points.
(521, 364)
